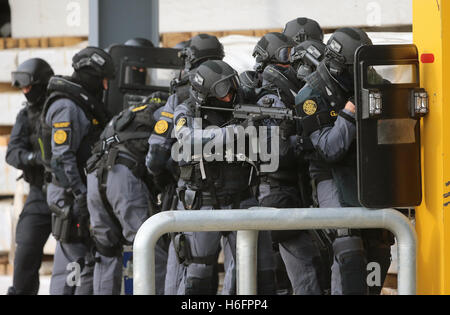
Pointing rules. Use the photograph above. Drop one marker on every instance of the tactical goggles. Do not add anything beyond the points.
(21, 79)
(221, 88)
(281, 55)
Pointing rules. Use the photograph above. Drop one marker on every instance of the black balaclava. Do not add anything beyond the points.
(91, 83)
(138, 77)
(36, 96)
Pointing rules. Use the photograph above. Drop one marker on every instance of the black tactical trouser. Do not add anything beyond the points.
(298, 249)
(32, 233)
(353, 253)
(198, 275)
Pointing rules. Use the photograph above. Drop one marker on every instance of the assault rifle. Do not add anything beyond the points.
(255, 112)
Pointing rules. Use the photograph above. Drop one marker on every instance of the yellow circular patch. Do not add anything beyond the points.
(161, 127)
(310, 107)
(60, 137)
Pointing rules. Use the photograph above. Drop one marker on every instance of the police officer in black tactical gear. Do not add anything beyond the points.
(271, 45)
(121, 195)
(210, 185)
(136, 74)
(194, 52)
(288, 185)
(328, 136)
(73, 118)
(302, 29)
(199, 49)
(251, 81)
(24, 153)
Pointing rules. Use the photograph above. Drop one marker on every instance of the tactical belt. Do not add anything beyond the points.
(205, 199)
(226, 200)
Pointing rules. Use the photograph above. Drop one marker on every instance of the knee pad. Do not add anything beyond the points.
(282, 283)
(198, 286)
(350, 256)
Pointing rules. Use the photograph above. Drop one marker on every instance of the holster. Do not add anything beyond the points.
(182, 248)
(63, 227)
(190, 199)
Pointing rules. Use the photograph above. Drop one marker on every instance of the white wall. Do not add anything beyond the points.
(46, 18)
(216, 15)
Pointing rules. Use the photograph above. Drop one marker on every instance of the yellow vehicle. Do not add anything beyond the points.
(431, 29)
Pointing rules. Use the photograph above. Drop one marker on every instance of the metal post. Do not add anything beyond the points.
(116, 21)
(263, 219)
(247, 257)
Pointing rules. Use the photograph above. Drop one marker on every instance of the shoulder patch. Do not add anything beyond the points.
(333, 113)
(310, 107)
(138, 109)
(95, 122)
(60, 136)
(181, 123)
(166, 114)
(61, 125)
(161, 127)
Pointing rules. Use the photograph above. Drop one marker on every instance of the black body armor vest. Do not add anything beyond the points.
(65, 88)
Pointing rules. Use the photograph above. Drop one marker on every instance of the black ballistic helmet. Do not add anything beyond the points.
(343, 44)
(302, 29)
(272, 48)
(306, 56)
(31, 72)
(35, 73)
(139, 42)
(94, 61)
(213, 79)
(340, 55)
(201, 47)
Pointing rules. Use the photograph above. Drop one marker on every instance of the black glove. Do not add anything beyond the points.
(33, 159)
(287, 129)
(254, 121)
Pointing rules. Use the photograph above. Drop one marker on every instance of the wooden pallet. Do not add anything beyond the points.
(5, 134)
(40, 42)
(5, 267)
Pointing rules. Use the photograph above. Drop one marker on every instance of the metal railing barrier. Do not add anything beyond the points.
(249, 222)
